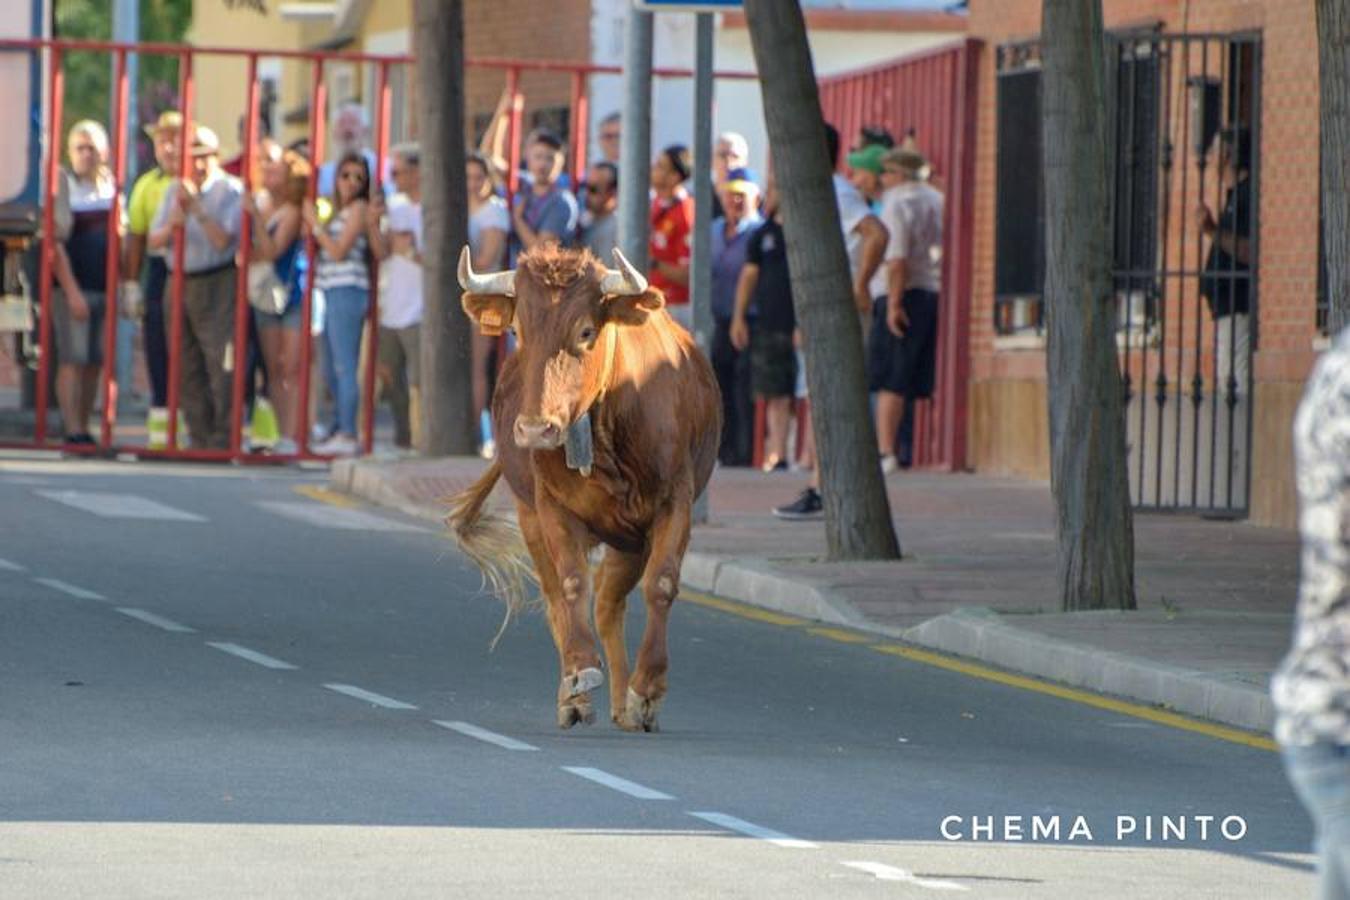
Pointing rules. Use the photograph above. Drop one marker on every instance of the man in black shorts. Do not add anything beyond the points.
(765, 290)
(902, 344)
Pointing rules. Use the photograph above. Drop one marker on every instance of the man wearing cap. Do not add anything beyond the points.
(207, 208)
(902, 344)
(672, 222)
(544, 211)
(146, 197)
(731, 234)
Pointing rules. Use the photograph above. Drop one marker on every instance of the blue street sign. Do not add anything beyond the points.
(688, 6)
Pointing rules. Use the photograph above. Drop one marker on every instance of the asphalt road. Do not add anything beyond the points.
(213, 684)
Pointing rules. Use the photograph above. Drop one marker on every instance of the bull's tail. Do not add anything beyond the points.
(494, 544)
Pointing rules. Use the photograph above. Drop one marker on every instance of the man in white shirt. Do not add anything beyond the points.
(864, 241)
(902, 345)
(397, 243)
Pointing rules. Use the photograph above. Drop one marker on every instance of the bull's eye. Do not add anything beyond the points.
(587, 334)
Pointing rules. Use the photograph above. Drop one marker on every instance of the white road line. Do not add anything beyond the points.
(614, 782)
(7, 566)
(70, 589)
(482, 734)
(325, 516)
(777, 838)
(150, 618)
(120, 506)
(252, 656)
(891, 873)
(369, 696)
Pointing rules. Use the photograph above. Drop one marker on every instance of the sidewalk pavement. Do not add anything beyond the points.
(1216, 599)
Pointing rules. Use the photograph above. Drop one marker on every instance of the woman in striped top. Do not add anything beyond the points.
(343, 274)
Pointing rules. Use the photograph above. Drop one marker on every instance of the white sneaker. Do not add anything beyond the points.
(337, 445)
(889, 464)
(488, 450)
(285, 447)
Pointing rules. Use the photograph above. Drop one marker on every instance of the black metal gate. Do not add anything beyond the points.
(1186, 168)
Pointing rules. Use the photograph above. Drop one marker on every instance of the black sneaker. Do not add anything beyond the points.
(807, 506)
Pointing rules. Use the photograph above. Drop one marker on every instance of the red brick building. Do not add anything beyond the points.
(1209, 424)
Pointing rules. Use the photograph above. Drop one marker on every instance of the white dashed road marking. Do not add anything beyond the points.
(325, 516)
(614, 782)
(369, 696)
(252, 656)
(483, 734)
(891, 873)
(120, 506)
(7, 566)
(69, 589)
(777, 838)
(150, 618)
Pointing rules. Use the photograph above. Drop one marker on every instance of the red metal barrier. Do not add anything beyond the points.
(931, 94)
(512, 69)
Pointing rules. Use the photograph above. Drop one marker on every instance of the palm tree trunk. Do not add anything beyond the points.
(1095, 559)
(1333, 41)
(447, 395)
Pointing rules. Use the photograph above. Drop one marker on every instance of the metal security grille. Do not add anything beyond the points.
(1185, 237)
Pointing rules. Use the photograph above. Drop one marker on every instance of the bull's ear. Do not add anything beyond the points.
(632, 309)
(494, 313)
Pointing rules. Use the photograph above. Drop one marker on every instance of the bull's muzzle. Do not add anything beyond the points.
(538, 433)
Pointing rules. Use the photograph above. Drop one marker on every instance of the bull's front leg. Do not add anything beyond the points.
(569, 612)
(660, 586)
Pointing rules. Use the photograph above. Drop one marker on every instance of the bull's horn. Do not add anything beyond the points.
(497, 283)
(624, 281)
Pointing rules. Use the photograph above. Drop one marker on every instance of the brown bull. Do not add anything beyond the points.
(608, 420)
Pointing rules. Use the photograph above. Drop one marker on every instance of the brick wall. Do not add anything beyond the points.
(523, 29)
(1287, 222)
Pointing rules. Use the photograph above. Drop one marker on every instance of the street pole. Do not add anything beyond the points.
(700, 267)
(636, 136)
(126, 29)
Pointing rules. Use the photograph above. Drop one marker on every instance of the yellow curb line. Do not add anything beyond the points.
(952, 664)
(324, 495)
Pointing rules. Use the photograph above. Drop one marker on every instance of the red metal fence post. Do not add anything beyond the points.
(318, 100)
(241, 304)
(382, 104)
(580, 128)
(513, 134)
(48, 245)
(112, 283)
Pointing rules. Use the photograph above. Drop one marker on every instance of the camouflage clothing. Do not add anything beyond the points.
(1312, 687)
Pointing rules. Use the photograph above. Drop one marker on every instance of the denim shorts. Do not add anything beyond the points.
(78, 343)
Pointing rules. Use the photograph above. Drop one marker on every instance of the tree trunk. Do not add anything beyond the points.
(1333, 42)
(857, 512)
(447, 395)
(1095, 559)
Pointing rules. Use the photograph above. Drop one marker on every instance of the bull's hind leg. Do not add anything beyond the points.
(660, 585)
(619, 574)
(565, 541)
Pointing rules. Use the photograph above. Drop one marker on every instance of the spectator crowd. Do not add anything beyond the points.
(891, 218)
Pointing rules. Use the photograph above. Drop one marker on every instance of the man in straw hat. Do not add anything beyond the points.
(902, 343)
(207, 207)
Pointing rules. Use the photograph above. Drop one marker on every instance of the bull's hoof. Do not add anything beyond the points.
(640, 713)
(574, 697)
(571, 713)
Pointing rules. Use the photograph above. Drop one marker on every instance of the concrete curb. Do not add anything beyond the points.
(976, 633)
(369, 481)
(984, 635)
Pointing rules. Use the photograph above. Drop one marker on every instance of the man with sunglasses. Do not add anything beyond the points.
(601, 230)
